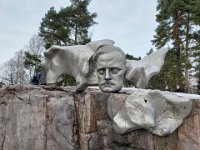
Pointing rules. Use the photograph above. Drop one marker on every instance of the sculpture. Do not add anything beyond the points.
(111, 67)
(81, 62)
(140, 72)
(104, 64)
(74, 61)
(156, 111)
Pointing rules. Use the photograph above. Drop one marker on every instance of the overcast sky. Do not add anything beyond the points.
(130, 23)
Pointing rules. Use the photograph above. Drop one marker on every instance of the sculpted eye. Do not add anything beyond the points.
(101, 71)
(114, 70)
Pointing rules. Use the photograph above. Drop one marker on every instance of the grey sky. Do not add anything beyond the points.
(130, 23)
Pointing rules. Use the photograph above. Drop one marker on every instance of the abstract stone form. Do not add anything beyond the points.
(140, 72)
(158, 112)
(73, 61)
(81, 62)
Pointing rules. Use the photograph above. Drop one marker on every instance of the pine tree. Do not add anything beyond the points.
(196, 63)
(69, 26)
(168, 29)
(131, 57)
(177, 20)
(32, 62)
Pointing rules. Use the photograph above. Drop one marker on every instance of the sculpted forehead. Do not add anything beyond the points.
(114, 59)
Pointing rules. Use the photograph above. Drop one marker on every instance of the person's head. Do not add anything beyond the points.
(111, 68)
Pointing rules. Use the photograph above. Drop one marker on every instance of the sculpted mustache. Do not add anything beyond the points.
(108, 82)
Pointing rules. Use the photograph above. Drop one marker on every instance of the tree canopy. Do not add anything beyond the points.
(68, 26)
(179, 28)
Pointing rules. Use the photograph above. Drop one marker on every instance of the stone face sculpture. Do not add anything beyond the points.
(156, 111)
(83, 61)
(111, 68)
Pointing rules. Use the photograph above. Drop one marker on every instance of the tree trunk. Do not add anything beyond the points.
(76, 34)
(177, 45)
(186, 56)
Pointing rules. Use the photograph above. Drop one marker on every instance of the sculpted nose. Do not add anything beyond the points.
(107, 75)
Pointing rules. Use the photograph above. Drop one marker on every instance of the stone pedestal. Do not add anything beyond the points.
(54, 118)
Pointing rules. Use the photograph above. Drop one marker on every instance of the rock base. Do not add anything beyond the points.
(54, 118)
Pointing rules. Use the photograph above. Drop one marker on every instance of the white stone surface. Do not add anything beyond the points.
(140, 72)
(73, 61)
(77, 61)
(159, 112)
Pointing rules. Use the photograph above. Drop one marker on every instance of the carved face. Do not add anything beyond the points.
(111, 68)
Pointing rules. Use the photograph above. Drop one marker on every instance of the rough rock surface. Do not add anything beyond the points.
(33, 118)
(159, 112)
(52, 118)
